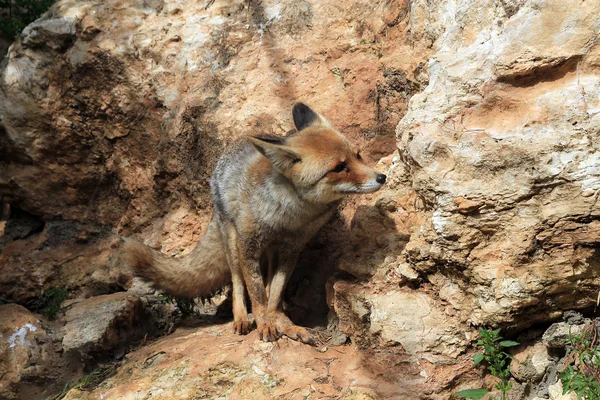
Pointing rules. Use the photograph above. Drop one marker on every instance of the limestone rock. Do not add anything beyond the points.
(530, 362)
(557, 336)
(500, 146)
(38, 358)
(30, 362)
(414, 321)
(556, 393)
(104, 323)
(19, 350)
(61, 255)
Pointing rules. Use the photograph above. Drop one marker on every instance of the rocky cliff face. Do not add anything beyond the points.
(113, 116)
(502, 147)
(483, 115)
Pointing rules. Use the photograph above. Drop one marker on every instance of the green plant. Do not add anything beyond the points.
(186, 306)
(582, 372)
(48, 304)
(15, 15)
(497, 361)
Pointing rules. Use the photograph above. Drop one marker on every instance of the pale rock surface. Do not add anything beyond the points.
(30, 363)
(500, 150)
(19, 348)
(421, 327)
(212, 362)
(530, 362)
(104, 323)
(558, 334)
(501, 146)
(555, 392)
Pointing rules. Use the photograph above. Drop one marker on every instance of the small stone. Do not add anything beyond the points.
(573, 317)
(530, 362)
(556, 392)
(102, 323)
(407, 271)
(557, 336)
(466, 206)
(89, 28)
(588, 193)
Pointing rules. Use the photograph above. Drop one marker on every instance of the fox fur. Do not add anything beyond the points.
(271, 195)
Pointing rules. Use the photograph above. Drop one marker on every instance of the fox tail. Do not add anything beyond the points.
(198, 274)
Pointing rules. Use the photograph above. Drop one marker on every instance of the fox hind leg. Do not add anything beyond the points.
(241, 324)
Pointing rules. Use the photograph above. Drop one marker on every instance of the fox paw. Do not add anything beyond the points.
(241, 327)
(300, 334)
(268, 332)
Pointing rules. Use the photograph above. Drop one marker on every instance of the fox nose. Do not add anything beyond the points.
(380, 178)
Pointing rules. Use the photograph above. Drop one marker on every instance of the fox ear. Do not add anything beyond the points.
(304, 116)
(276, 151)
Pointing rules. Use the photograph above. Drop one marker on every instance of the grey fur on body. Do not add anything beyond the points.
(275, 205)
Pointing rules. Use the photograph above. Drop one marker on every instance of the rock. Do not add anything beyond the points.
(30, 362)
(59, 257)
(557, 336)
(360, 394)
(573, 317)
(212, 362)
(37, 359)
(414, 321)
(19, 349)
(337, 338)
(519, 391)
(530, 362)
(53, 32)
(353, 311)
(503, 170)
(555, 392)
(407, 271)
(503, 163)
(105, 324)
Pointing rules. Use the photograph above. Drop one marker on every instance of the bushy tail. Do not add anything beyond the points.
(198, 274)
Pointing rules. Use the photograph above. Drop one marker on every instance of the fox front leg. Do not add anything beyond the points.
(288, 259)
(279, 275)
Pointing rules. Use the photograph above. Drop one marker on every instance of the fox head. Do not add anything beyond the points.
(320, 162)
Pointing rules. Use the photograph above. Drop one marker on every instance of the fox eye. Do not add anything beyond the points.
(340, 167)
(358, 156)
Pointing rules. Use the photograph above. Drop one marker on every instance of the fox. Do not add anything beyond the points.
(271, 195)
